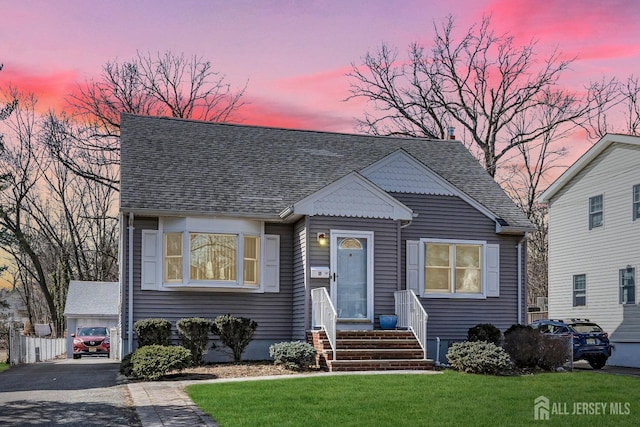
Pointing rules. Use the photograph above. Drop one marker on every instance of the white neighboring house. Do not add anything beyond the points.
(594, 243)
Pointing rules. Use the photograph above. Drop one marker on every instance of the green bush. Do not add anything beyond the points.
(153, 331)
(555, 351)
(194, 334)
(524, 345)
(484, 332)
(126, 365)
(478, 357)
(235, 333)
(294, 355)
(151, 362)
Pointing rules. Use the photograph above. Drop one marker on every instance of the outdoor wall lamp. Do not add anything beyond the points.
(322, 239)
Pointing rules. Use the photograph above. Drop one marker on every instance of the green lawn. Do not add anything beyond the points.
(449, 399)
(3, 367)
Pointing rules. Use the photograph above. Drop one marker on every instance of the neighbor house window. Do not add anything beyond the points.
(628, 285)
(173, 257)
(579, 290)
(596, 210)
(453, 268)
(636, 202)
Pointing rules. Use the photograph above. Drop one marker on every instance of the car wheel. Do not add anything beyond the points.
(597, 362)
(77, 356)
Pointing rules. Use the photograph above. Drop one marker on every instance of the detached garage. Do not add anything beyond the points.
(91, 304)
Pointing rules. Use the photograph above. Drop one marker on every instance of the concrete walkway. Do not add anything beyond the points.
(165, 403)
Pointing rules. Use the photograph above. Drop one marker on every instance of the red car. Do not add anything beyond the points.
(94, 340)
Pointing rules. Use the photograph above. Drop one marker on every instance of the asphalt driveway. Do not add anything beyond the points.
(65, 392)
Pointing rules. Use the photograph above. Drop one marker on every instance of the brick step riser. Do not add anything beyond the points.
(379, 356)
(369, 336)
(405, 345)
(338, 366)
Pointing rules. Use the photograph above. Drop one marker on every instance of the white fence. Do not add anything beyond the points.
(24, 349)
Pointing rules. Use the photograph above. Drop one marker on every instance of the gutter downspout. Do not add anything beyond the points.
(520, 281)
(130, 283)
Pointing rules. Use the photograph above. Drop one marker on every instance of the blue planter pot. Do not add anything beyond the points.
(388, 321)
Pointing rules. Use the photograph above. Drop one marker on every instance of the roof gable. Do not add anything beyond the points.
(400, 173)
(353, 196)
(585, 160)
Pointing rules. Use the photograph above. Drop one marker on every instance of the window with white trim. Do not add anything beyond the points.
(579, 290)
(596, 211)
(210, 253)
(636, 202)
(627, 285)
(453, 269)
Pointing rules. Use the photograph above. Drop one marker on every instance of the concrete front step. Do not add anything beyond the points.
(379, 365)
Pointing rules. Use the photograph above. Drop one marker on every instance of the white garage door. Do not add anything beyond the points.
(95, 321)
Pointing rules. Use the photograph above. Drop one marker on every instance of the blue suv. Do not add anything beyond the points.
(590, 342)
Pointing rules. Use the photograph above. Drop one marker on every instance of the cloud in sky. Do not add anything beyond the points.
(49, 88)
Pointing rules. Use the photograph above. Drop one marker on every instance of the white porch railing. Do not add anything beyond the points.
(412, 315)
(24, 349)
(324, 315)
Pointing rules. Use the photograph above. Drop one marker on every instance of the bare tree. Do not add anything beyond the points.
(622, 116)
(482, 82)
(165, 84)
(57, 225)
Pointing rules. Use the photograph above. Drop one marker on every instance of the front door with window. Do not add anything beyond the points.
(352, 274)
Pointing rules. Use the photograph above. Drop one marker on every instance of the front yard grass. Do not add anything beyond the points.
(4, 366)
(450, 399)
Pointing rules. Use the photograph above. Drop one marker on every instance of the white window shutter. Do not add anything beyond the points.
(413, 266)
(271, 264)
(150, 260)
(493, 270)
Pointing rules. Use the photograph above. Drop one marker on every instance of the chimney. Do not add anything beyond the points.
(450, 132)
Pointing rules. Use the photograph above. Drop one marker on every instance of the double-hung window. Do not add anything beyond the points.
(636, 202)
(437, 268)
(628, 285)
(453, 268)
(596, 211)
(579, 290)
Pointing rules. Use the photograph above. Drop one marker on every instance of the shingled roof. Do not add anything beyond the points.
(176, 166)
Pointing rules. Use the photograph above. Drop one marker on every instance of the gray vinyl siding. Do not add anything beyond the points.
(272, 311)
(447, 217)
(385, 249)
(299, 279)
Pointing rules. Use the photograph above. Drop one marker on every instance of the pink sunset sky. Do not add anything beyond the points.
(294, 54)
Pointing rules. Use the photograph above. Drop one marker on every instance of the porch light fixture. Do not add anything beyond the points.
(322, 239)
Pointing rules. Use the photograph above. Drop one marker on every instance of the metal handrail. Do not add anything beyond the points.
(412, 315)
(324, 315)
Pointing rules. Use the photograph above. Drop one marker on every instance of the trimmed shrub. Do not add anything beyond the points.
(151, 362)
(153, 331)
(126, 365)
(294, 355)
(484, 332)
(555, 351)
(478, 357)
(524, 345)
(235, 333)
(194, 334)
